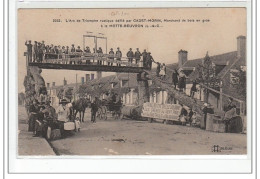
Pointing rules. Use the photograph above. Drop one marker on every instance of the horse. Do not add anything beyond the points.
(80, 106)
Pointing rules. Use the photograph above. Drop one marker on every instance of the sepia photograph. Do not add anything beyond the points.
(132, 81)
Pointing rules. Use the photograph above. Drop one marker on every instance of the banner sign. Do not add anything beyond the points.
(161, 111)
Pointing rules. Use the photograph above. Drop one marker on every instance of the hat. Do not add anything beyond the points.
(72, 44)
(137, 48)
(111, 49)
(63, 101)
(35, 41)
(43, 41)
(118, 48)
(149, 52)
(130, 49)
(87, 46)
(78, 46)
(29, 40)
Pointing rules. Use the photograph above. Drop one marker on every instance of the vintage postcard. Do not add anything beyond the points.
(146, 81)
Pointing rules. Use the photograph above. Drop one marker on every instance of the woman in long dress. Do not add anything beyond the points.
(182, 81)
(163, 72)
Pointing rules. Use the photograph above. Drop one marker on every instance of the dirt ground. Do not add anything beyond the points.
(130, 137)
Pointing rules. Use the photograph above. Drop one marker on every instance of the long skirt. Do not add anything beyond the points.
(31, 123)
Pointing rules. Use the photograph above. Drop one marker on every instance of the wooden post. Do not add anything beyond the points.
(143, 89)
(221, 99)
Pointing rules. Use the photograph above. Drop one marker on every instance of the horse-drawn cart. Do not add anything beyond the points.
(106, 108)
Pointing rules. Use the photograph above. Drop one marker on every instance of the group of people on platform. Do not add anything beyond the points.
(38, 51)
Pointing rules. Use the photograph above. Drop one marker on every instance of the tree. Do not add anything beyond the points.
(207, 75)
(60, 93)
(238, 81)
(65, 93)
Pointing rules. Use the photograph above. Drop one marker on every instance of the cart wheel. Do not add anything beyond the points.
(48, 134)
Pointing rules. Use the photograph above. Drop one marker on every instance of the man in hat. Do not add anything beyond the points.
(72, 48)
(137, 56)
(35, 51)
(63, 111)
(40, 52)
(193, 89)
(39, 122)
(111, 56)
(130, 55)
(67, 50)
(144, 54)
(149, 61)
(63, 115)
(94, 109)
(87, 50)
(29, 50)
(78, 49)
(47, 51)
(206, 110)
(51, 110)
(100, 52)
(43, 45)
(175, 78)
(230, 105)
(119, 55)
(33, 114)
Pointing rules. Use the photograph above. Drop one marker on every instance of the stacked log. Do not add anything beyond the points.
(33, 83)
(183, 98)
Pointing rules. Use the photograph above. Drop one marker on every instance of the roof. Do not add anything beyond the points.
(221, 59)
(238, 61)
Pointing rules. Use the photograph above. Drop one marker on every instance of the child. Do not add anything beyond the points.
(194, 119)
(183, 115)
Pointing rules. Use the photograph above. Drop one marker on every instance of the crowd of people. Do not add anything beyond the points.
(178, 78)
(42, 115)
(38, 51)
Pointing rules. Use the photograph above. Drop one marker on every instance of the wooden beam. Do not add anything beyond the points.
(84, 67)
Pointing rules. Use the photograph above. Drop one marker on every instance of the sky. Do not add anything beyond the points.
(217, 36)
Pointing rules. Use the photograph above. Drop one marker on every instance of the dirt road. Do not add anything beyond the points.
(129, 137)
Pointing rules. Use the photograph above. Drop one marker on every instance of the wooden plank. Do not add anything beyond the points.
(85, 67)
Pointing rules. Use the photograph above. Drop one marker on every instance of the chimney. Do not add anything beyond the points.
(241, 46)
(48, 85)
(82, 80)
(183, 57)
(99, 74)
(87, 77)
(53, 84)
(92, 76)
(64, 82)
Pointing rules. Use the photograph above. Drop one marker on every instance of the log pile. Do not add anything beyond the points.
(182, 97)
(34, 84)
